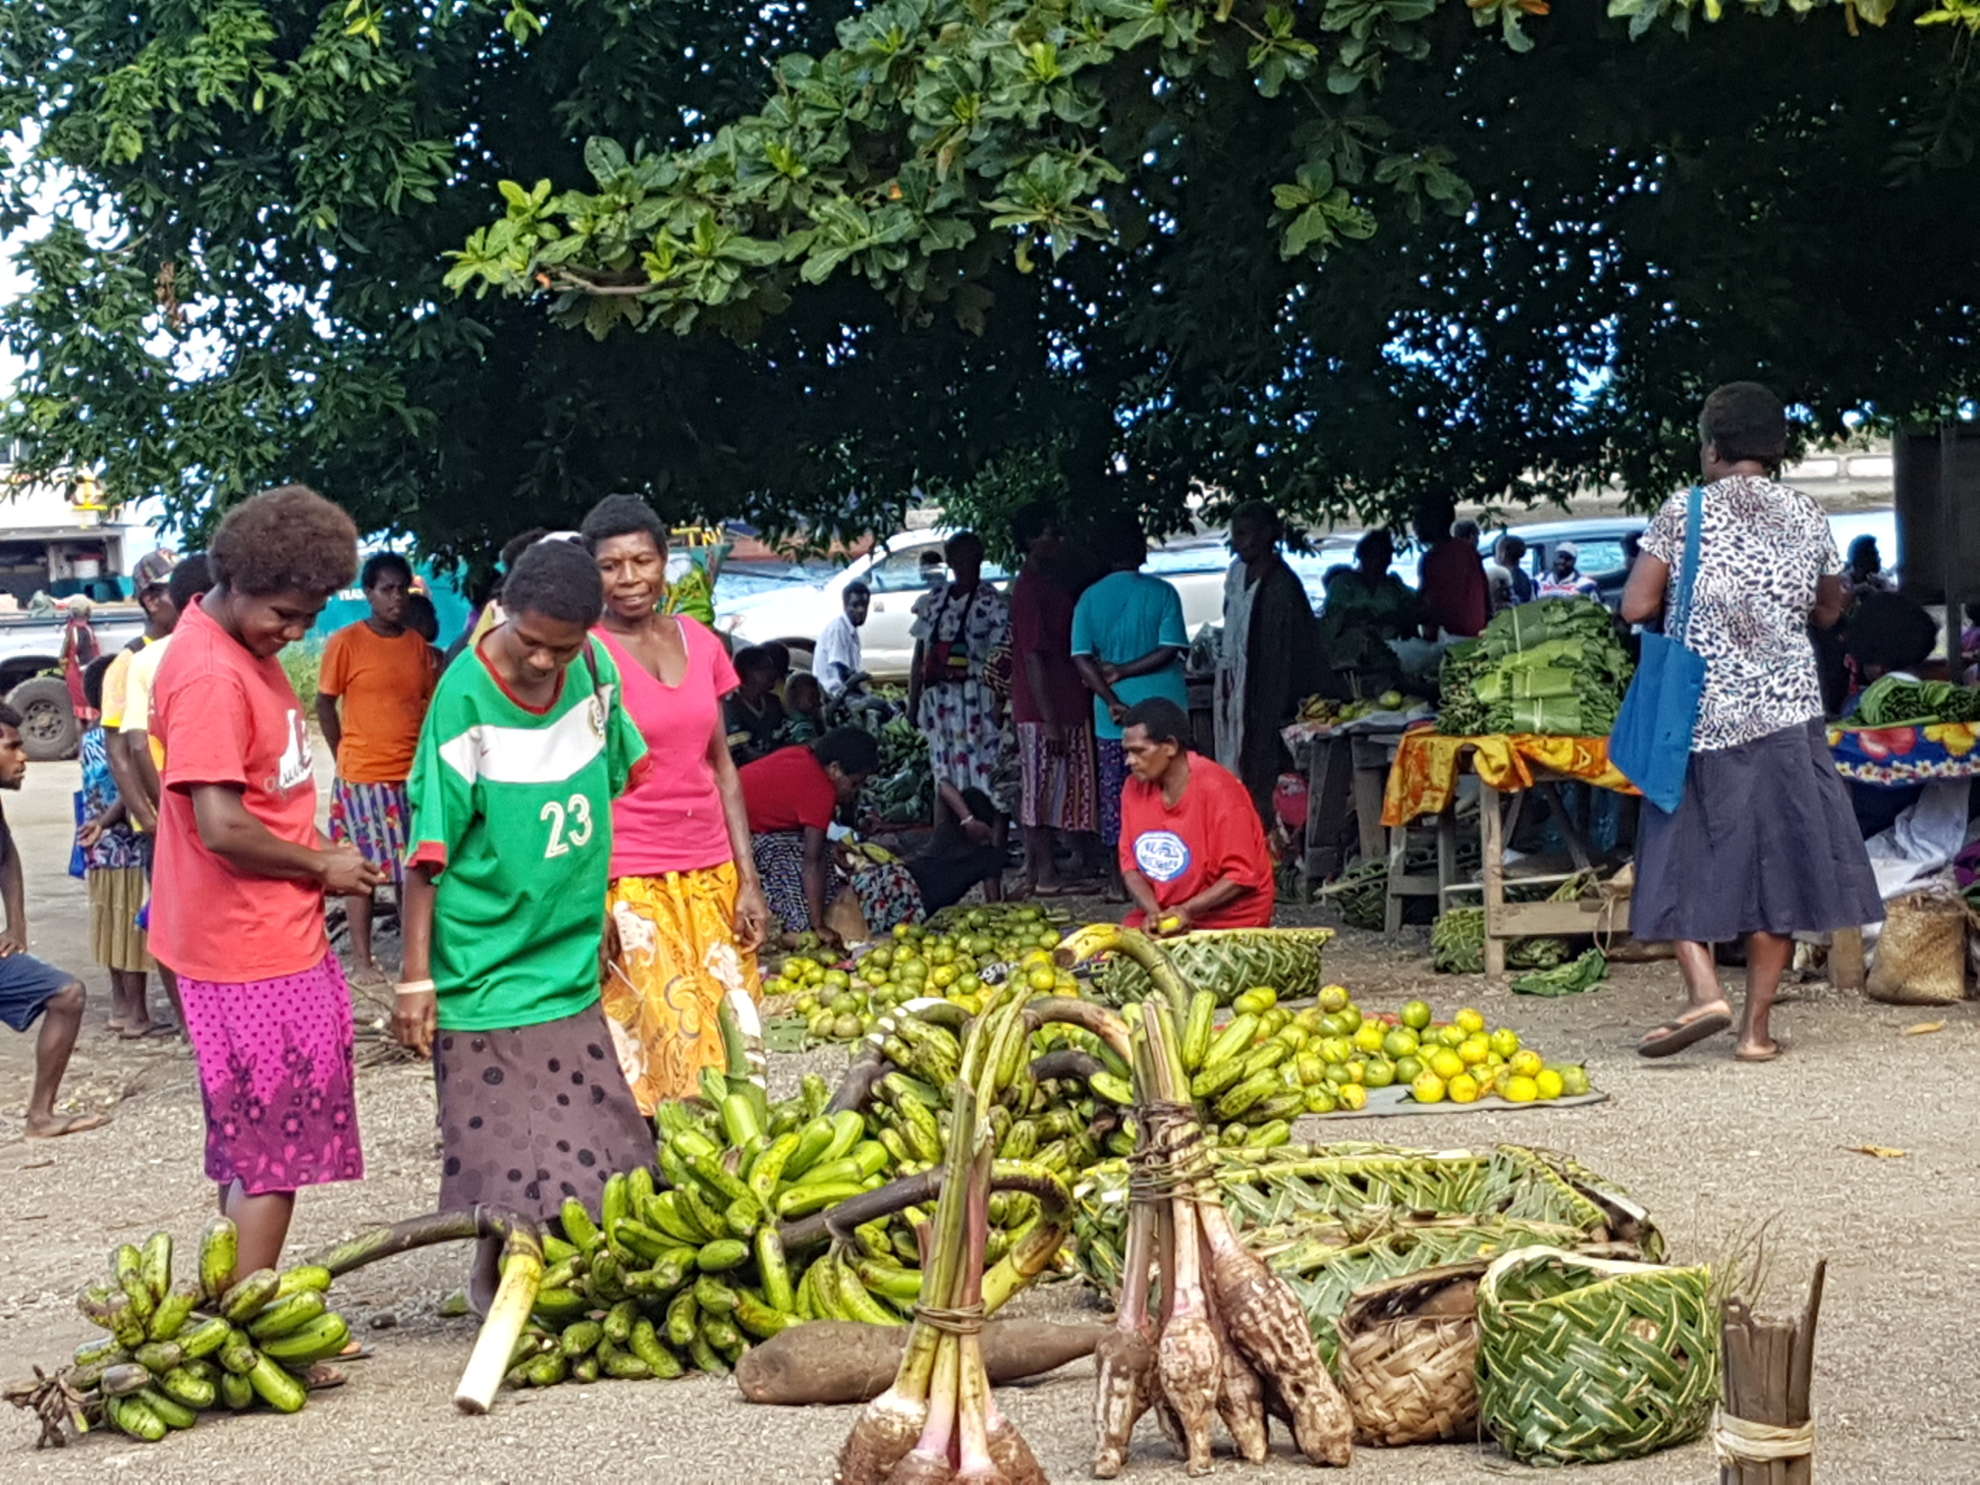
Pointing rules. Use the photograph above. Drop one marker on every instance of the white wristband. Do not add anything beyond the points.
(416, 987)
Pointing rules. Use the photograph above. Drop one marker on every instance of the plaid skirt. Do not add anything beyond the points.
(374, 818)
(1059, 790)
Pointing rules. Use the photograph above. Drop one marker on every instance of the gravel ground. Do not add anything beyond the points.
(1714, 1150)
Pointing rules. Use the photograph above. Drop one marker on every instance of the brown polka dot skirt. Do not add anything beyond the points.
(531, 1115)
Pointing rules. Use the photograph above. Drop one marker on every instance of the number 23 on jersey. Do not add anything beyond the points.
(570, 825)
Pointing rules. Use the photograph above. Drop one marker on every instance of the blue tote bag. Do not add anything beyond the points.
(1651, 741)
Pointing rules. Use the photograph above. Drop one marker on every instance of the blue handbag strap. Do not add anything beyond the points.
(1680, 623)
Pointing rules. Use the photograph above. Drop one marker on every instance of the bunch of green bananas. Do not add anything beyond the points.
(176, 1349)
(684, 1265)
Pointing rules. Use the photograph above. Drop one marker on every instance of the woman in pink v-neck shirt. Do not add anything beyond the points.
(685, 914)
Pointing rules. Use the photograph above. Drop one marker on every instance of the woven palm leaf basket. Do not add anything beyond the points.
(1582, 1360)
(1408, 1357)
(1226, 962)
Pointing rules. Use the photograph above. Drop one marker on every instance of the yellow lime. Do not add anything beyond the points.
(1547, 1083)
(1469, 1021)
(1520, 1090)
(1337, 1073)
(1258, 999)
(1335, 1048)
(1505, 1041)
(1408, 1069)
(1574, 1079)
(1525, 1063)
(1308, 1020)
(1379, 1073)
(1416, 1015)
(1333, 1025)
(1449, 1036)
(1401, 1042)
(1427, 1088)
(1474, 1049)
(1320, 1099)
(1357, 1070)
(1464, 1088)
(1369, 1036)
(1445, 1063)
(1332, 998)
(1350, 1015)
(1352, 1096)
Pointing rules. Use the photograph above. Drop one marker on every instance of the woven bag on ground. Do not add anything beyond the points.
(1582, 1360)
(1921, 954)
(1409, 1357)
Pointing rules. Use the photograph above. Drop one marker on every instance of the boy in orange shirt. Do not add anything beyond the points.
(383, 673)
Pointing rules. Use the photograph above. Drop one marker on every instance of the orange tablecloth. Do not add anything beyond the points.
(1425, 773)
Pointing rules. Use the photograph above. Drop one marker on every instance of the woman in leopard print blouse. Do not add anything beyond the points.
(1763, 845)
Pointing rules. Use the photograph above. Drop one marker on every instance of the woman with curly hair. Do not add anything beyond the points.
(523, 752)
(686, 912)
(242, 871)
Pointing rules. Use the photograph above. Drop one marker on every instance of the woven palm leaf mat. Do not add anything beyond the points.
(1395, 1099)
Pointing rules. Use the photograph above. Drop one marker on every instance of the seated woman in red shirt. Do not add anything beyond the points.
(792, 797)
(1192, 849)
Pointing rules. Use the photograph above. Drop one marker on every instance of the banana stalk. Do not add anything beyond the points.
(1109, 938)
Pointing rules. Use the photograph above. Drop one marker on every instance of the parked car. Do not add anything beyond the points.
(795, 616)
(31, 674)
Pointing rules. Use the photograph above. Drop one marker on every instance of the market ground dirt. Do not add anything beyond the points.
(1713, 1149)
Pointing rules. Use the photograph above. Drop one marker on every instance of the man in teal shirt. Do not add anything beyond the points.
(1128, 644)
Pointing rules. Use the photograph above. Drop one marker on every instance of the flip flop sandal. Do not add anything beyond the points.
(1675, 1036)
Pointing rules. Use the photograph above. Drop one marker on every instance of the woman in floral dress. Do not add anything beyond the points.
(962, 636)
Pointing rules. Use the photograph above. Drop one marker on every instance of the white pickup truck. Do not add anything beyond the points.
(31, 673)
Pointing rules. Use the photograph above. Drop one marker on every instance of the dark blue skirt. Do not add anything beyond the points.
(1764, 841)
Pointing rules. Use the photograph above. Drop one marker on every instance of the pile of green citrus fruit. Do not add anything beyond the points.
(945, 957)
(1332, 1053)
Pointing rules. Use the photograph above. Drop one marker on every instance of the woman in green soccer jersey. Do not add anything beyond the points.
(523, 751)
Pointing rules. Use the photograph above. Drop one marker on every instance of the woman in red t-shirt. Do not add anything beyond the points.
(793, 796)
(685, 915)
(237, 906)
(1192, 850)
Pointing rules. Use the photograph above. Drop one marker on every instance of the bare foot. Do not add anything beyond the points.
(137, 1032)
(1749, 1051)
(54, 1126)
(114, 1026)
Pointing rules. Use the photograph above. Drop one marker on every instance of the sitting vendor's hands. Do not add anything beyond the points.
(1171, 921)
(978, 832)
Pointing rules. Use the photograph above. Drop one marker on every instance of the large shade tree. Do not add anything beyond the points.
(1340, 253)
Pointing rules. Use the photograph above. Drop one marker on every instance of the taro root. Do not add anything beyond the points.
(1124, 1361)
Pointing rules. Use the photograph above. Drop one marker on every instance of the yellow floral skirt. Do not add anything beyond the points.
(677, 959)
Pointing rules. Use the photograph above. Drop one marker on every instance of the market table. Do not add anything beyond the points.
(1347, 768)
(1423, 781)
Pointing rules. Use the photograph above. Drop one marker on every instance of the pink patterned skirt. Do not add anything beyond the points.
(278, 1078)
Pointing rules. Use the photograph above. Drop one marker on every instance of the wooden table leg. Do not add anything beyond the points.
(1447, 863)
(1492, 846)
(1392, 903)
(1368, 787)
(1326, 805)
(1846, 959)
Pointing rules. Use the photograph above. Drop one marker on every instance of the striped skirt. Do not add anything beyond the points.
(374, 818)
(116, 895)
